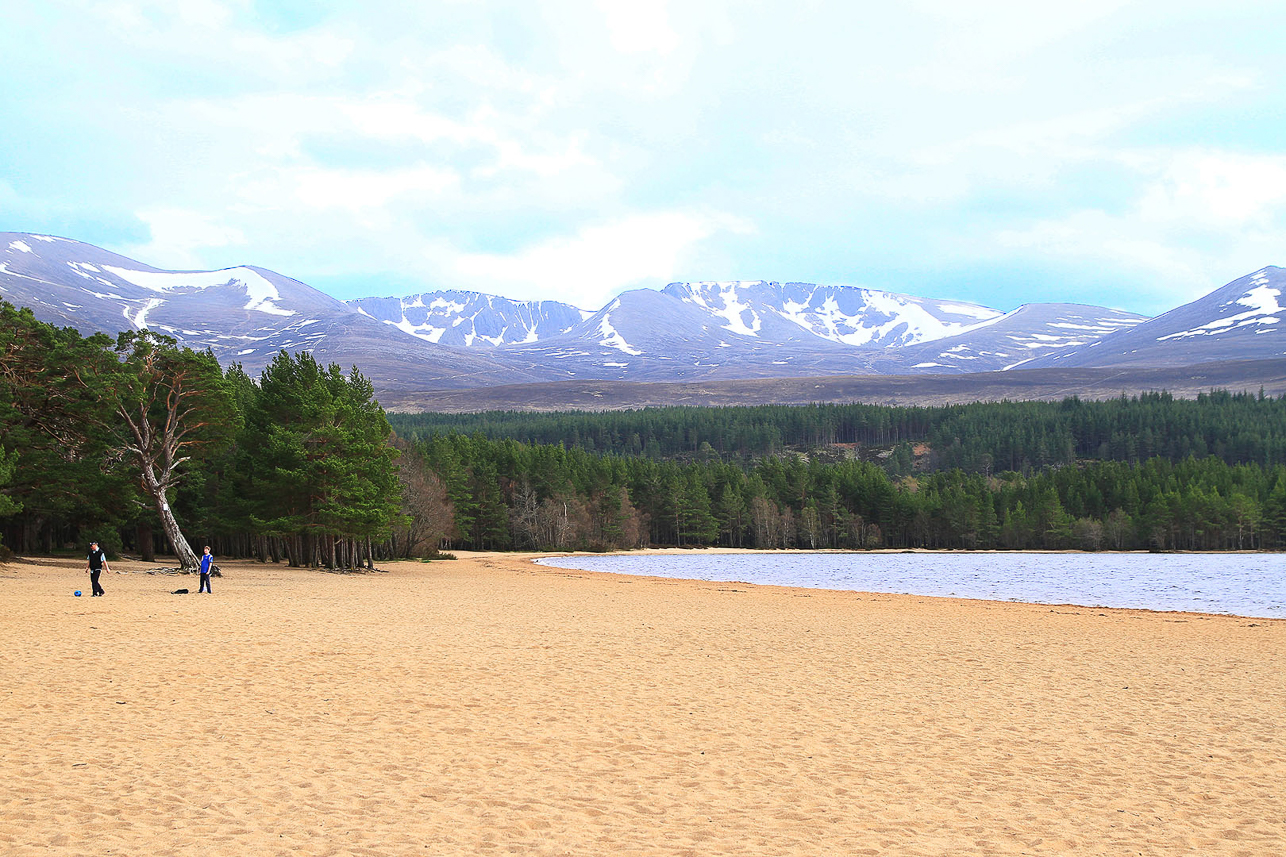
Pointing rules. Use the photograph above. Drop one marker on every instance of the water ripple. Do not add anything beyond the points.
(1239, 584)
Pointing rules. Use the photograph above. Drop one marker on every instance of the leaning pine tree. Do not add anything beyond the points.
(145, 402)
(170, 404)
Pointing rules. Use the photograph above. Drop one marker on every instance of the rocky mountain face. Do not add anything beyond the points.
(862, 318)
(694, 331)
(243, 315)
(646, 335)
(686, 332)
(472, 319)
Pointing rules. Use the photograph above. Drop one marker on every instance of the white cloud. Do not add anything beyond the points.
(1106, 239)
(179, 236)
(513, 147)
(345, 139)
(319, 188)
(1220, 190)
(638, 26)
(1202, 218)
(1035, 148)
(208, 34)
(600, 261)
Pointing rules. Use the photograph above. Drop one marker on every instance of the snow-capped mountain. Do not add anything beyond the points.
(1244, 320)
(685, 332)
(649, 335)
(760, 329)
(471, 318)
(858, 317)
(243, 314)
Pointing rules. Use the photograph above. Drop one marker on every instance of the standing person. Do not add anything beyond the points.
(95, 564)
(207, 566)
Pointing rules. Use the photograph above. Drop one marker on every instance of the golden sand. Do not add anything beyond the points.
(490, 706)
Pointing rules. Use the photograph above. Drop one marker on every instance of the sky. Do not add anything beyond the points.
(1127, 154)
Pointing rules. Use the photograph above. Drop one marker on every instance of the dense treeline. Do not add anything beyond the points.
(508, 494)
(981, 437)
(137, 440)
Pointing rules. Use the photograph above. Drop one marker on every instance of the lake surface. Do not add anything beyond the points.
(1240, 584)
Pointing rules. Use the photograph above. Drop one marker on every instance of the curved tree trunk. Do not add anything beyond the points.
(187, 558)
(156, 491)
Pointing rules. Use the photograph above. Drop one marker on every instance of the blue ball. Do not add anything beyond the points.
(77, 593)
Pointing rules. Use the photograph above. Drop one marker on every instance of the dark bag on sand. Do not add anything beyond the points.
(179, 592)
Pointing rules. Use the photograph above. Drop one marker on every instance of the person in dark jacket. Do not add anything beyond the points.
(96, 564)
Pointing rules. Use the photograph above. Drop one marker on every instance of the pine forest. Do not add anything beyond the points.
(152, 448)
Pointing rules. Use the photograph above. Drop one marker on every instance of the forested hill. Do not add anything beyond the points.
(982, 437)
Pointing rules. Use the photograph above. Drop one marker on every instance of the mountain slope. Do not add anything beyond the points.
(1244, 320)
(1017, 384)
(1016, 338)
(243, 314)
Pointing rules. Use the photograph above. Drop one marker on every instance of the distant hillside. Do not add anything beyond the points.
(1025, 384)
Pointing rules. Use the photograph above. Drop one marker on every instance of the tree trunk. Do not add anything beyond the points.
(146, 544)
(187, 558)
(156, 491)
(30, 529)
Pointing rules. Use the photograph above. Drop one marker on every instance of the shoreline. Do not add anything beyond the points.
(645, 552)
(532, 558)
(489, 705)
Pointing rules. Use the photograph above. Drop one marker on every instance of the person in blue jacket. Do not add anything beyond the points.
(207, 566)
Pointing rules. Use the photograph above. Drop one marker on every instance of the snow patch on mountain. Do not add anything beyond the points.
(261, 295)
(139, 320)
(843, 314)
(611, 337)
(1017, 337)
(1264, 309)
(738, 317)
(472, 319)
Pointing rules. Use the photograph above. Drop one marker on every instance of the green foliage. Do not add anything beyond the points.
(300, 463)
(99, 437)
(982, 437)
(315, 455)
(1193, 504)
(67, 474)
(8, 505)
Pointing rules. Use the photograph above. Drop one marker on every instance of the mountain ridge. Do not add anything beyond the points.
(699, 331)
(243, 314)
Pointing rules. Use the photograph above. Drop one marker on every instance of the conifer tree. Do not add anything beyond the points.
(324, 472)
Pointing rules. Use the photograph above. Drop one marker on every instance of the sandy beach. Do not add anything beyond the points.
(491, 706)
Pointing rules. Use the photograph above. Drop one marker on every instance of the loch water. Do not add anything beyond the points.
(1251, 585)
